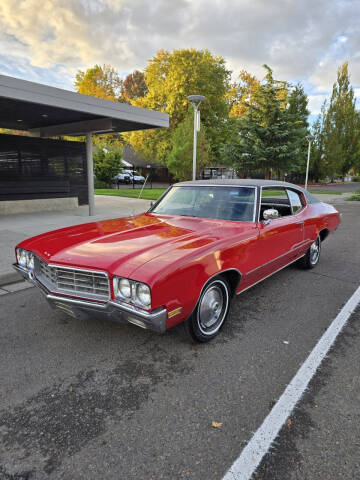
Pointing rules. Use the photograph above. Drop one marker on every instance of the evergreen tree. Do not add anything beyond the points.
(341, 129)
(269, 135)
(298, 108)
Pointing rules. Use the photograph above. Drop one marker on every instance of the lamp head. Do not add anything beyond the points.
(195, 100)
(309, 138)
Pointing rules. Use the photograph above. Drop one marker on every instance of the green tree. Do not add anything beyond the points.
(170, 78)
(268, 136)
(298, 107)
(179, 159)
(99, 81)
(341, 128)
(107, 162)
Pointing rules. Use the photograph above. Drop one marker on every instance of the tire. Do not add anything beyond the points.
(312, 256)
(211, 311)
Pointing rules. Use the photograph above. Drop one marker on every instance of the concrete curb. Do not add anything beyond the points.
(10, 277)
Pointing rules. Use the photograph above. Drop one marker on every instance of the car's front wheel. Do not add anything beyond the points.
(210, 312)
(312, 256)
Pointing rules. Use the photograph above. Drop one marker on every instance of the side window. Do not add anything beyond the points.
(272, 197)
(295, 201)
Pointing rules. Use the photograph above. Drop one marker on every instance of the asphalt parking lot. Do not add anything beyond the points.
(91, 400)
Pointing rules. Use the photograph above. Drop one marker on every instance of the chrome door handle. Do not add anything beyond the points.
(299, 223)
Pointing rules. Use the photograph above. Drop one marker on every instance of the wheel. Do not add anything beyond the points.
(210, 312)
(311, 258)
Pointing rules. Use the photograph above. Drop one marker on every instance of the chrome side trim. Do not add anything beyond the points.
(270, 274)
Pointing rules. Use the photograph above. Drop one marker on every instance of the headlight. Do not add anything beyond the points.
(25, 259)
(30, 261)
(124, 287)
(143, 294)
(133, 292)
(22, 257)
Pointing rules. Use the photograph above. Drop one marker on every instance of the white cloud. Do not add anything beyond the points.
(315, 103)
(299, 40)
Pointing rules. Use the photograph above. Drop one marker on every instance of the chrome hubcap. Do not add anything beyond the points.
(211, 307)
(315, 251)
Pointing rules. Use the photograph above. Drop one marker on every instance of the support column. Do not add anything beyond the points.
(90, 173)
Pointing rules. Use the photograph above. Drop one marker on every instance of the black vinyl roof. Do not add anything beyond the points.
(249, 182)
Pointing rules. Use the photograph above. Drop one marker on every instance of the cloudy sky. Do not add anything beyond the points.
(302, 40)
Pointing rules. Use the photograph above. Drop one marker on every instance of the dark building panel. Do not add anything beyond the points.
(42, 168)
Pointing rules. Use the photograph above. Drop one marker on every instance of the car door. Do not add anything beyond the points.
(280, 238)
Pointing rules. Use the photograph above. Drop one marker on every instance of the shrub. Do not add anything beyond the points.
(101, 184)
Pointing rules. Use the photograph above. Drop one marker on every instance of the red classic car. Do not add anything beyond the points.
(200, 244)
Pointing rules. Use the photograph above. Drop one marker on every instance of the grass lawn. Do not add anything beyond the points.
(355, 196)
(147, 194)
(325, 192)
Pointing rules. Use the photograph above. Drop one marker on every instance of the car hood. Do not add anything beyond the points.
(120, 246)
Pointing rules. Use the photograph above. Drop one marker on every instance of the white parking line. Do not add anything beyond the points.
(250, 458)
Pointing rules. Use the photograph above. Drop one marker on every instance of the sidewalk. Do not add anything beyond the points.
(14, 228)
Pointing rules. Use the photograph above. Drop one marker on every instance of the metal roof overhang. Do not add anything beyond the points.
(47, 111)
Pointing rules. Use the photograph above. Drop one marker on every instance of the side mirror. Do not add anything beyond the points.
(152, 203)
(270, 214)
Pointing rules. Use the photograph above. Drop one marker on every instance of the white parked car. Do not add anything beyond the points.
(137, 177)
(122, 177)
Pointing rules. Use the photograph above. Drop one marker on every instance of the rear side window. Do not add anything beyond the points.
(295, 201)
(276, 198)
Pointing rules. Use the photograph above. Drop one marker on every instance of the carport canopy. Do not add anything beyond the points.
(46, 111)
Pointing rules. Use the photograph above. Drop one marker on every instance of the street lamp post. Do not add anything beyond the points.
(309, 138)
(195, 101)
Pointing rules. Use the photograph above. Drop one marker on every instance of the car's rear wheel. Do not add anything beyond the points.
(210, 312)
(312, 256)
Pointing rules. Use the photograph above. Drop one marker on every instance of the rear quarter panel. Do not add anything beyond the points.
(320, 216)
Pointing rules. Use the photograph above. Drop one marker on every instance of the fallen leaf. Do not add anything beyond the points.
(70, 389)
(217, 424)
(289, 422)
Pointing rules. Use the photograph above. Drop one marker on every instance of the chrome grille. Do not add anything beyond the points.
(72, 281)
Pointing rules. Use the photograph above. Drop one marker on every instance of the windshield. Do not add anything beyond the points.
(226, 203)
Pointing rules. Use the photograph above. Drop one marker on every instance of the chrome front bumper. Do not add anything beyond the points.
(119, 312)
